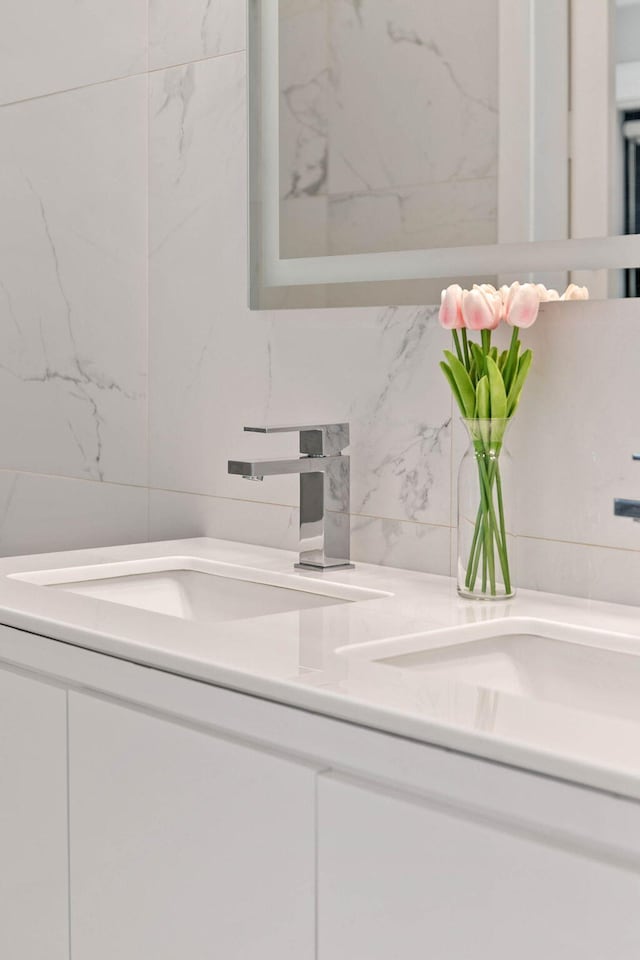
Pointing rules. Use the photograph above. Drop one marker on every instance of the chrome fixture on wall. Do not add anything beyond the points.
(628, 508)
(324, 491)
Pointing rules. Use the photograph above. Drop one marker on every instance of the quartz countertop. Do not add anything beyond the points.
(298, 658)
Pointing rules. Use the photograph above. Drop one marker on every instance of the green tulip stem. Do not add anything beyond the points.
(490, 531)
(474, 553)
(465, 347)
(504, 555)
(456, 342)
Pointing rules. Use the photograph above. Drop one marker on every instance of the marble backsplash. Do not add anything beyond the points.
(130, 362)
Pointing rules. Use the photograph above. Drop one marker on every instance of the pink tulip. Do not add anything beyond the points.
(522, 305)
(487, 288)
(451, 307)
(573, 292)
(545, 295)
(507, 294)
(481, 312)
(495, 301)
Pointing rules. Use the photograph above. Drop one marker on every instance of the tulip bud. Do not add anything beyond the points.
(508, 293)
(573, 292)
(545, 295)
(522, 306)
(481, 312)
(450, 315)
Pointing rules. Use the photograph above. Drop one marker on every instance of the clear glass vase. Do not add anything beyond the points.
(485, 526)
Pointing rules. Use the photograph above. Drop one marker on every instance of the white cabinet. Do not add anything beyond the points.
(185, 846)
(34, 916)
(185, 843)
(399, 878)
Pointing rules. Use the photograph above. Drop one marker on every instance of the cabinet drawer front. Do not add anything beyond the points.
(184, 844)
(34, 916)
(401, 878)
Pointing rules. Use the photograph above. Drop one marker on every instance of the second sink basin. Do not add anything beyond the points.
(200, 590)
(538, 660)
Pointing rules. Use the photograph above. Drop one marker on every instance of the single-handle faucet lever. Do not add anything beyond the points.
(324, 490)
(628, 508)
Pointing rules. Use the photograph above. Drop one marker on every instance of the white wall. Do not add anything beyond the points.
(129, 361)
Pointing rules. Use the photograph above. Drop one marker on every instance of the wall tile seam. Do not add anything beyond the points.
(119, 78)
(147, 306)
(206, 496)
(149, 489)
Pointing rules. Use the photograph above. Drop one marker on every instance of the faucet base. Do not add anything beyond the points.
(325, 566)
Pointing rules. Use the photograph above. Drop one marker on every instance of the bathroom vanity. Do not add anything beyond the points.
(353, 766)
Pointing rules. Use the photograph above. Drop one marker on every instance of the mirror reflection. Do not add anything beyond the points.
(443, 125)
(388, 125)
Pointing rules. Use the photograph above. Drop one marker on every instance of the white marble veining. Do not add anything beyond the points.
(305, 96)
(74, 184)
(400, 414)
(46, 47)
(377, 368)
(73, 297)
(396, 543)
(200, 326)
(181, 31)
(398, 167)
(315, 658)
(444, 46)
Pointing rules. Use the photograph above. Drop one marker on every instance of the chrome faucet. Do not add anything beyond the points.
(324, 491)
(628, 508)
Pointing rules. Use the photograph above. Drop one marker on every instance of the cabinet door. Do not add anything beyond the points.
(185, 846)
(34, 918)
(400, 879)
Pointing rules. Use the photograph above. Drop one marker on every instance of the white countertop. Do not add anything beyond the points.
(291, 657)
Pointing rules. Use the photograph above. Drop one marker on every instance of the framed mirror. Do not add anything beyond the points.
(400, 145)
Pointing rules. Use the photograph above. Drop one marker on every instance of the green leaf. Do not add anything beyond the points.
(497, 392)
(482, 411)
(518, 383)
(478, 356)
(511, 364)
(493, 353)
(454, 387)
(463, 383)
(503, 360)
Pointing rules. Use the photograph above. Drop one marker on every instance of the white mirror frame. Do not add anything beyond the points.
(536, 213)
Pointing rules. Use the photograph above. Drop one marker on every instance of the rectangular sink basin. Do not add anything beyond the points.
(202, 590)
(537, 660)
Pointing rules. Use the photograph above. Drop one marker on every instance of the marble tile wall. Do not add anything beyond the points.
(370, 159)
(129, 361)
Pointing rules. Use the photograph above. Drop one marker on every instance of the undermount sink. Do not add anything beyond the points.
(538, 660)
(202, 590)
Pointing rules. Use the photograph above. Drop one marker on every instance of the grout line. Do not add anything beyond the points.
(119, 79)
(289, 506)
(148, 286)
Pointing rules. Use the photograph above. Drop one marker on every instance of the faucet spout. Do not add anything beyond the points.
(275, 468)
(324, 492)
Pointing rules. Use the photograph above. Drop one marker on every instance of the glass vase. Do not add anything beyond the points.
(485, 531)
